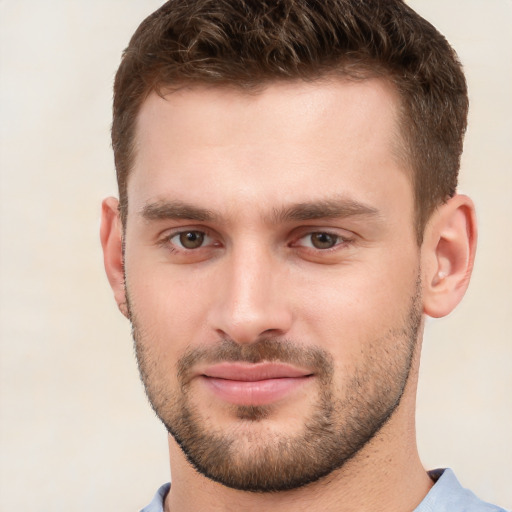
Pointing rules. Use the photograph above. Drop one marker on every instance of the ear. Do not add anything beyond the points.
(111, 234)
(448, 253)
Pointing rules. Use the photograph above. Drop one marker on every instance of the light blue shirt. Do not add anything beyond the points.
(447, 495)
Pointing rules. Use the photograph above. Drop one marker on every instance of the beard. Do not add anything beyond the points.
(344, 417)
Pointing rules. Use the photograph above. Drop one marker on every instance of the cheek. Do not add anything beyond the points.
(357, 305)
(169, 304)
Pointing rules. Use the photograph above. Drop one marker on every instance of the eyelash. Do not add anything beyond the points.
(340, 241)
(174, 247)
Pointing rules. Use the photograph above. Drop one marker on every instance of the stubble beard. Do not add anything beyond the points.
(339, 426)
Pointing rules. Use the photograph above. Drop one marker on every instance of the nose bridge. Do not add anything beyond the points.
(250, 304)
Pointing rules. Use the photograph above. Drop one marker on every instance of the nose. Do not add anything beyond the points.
(251, 300)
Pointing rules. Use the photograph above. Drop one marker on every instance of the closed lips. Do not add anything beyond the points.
(253, 384)
(254, 372)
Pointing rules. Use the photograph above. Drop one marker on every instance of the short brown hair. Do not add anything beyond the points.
(248, 43)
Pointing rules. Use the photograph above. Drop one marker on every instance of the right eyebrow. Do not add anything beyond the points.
(169, 210)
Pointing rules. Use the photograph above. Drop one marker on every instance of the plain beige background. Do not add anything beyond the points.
(75, 430)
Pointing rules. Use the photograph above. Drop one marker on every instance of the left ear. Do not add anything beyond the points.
(448, 254)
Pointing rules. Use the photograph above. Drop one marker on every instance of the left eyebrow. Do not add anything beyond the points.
(325, 209)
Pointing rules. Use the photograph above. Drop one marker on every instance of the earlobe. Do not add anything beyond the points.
(111, 234)
(448, 253)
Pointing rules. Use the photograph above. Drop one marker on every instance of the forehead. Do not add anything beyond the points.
(219, 146)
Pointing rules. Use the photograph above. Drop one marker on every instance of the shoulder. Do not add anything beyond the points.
(448, 495)
(157, 503)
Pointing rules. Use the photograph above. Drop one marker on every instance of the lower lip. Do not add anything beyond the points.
(260, 392)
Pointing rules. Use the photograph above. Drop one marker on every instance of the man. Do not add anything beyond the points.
(287, 218)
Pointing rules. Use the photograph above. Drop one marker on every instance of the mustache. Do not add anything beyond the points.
(268, 349)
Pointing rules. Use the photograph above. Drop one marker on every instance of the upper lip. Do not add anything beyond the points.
(252, 372)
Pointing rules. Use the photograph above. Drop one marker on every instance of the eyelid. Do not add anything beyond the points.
(168, 235)
(343, 239)
(212, 239)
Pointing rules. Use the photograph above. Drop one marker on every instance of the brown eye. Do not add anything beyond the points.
(323, 240)
(191, 239)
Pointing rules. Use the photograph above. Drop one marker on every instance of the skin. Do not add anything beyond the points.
(242, 157)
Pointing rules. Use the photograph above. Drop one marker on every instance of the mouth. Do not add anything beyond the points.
(253, 384)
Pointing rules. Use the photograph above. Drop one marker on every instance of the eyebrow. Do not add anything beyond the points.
(315, 210)
(169, 210)
(325, 209)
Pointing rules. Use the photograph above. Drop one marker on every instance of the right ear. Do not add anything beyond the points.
(111, 234)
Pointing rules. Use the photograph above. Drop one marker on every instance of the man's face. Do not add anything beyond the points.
(272, 275)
